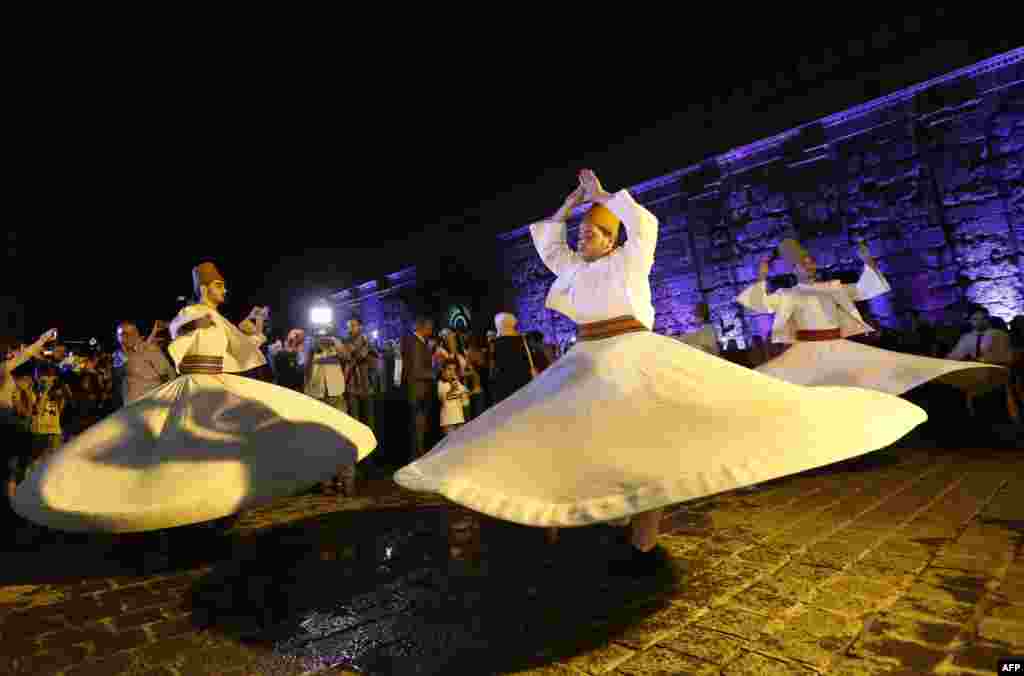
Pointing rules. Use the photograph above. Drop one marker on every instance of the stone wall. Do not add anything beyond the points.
(930, 178)
(381, 305)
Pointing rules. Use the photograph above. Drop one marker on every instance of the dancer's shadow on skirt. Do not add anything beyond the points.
(377, 591)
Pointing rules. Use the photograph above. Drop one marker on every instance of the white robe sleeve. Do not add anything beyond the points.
(182, 343)
(872, 283)
(641, 228)
(549, 240)
(756, 297)
(187, 314)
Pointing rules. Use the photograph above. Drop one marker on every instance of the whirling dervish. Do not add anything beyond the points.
(629, 421)
(204, 446)
(817, 317)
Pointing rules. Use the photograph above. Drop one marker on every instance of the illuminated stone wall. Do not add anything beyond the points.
(930, 178)
(380, 305)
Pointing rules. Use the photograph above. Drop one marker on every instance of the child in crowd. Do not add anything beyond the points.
(453, 395)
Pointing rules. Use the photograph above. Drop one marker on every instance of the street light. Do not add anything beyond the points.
(321, 316)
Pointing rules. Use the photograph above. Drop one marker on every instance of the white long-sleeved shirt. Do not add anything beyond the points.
(816, 307)
(616, 285)
(240, 352)
(453, 397)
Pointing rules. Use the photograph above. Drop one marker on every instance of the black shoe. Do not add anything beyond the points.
(638, 563)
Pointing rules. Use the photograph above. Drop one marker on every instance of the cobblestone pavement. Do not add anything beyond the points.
(903, 562)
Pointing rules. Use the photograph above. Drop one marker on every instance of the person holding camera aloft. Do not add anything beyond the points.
(17, 399)
(207, 445)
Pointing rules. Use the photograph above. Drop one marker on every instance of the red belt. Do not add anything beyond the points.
(825, 334)
(198, 364)
(608, 328)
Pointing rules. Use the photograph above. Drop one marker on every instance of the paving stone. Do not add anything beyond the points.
(109, 666)
(728, 579)
(925, 600)
(797, 580)
(763, 601)
(177, 583)
(547, 670)
(89, 586)
(907, 549)
(1010, 633)
(1007, 612)
(159, 671)
(176, 627)
(796, 644)
(662, 662)
(69, 637)
(137, 619)
(705, 644)
(136, 597)
(851, 666)
(824, 624)
(753, 664)
(765, 557)
(897, 565)
(885, 648)
(864, 587)
(105, 645)
(956, 578)
(54, 660)
(735, 621)
(937, 634)
(654, 627)
(27, 624)
(980, 656)
(217, 659)
(16, 647)
(828, 555)
(602, 659)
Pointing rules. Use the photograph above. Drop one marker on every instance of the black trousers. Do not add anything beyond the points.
(361, 408)
(420, 397)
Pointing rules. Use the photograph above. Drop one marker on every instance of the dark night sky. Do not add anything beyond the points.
(300, 181)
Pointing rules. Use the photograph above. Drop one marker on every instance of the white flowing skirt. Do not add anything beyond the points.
(195, 449)
(639, 421)
(847, 363)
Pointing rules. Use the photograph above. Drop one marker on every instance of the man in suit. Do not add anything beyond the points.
(418, 381)
(145, 366)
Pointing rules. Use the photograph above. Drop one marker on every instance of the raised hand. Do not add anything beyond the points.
(575, 198)
(592, 188)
